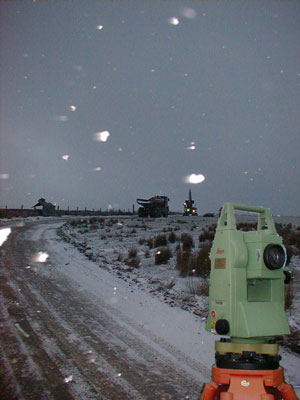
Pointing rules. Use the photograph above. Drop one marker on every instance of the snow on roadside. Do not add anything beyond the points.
(107, 243)
(99, 269)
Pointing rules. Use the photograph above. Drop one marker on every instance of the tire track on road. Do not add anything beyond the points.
(68, 326)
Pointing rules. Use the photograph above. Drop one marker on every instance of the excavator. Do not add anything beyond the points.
(48, 209)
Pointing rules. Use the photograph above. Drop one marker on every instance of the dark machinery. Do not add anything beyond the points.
(48, 209)
(155, 207)
(189, 209)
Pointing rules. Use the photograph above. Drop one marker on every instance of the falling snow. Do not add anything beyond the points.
(189, 13)
(68, 379)
(4, 176)
(62, 118)
(40, 257)
(101, 136)
(194, 178)
(173, 21)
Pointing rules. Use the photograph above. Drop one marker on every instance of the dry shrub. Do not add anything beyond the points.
(163, 255)
(246, 226)
(197, 287)
(183, 261)
(203, 261)
(289, 253)
(150, 243)
(207, 234)
(132, 253)
(187, 241)
(93, 227)
(289, 296)
(133, 262)
(160, 241)
(194, 263)
(291, 236)
(172, 237)
(291, 239)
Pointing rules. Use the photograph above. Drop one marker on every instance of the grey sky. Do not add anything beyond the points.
(223, 77)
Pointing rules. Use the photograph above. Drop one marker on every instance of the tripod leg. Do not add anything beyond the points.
(210, 391)
(287, 391)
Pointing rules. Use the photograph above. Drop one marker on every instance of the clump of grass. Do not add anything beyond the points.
(172, 237)
(246, 226)
(112, 221)
(187, 241)
(291, 239)
(93, 227)
(197, 287)
(163, 255)
(183, 261)
(160, 241)
(132, 253)
(194, 263)
(150, 243)
(203, 261)
(207, 234)
(289, 296)
(120, 257)
(289, 253)
(133, 260)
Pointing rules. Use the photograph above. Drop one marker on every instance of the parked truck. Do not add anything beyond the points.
(155, 207)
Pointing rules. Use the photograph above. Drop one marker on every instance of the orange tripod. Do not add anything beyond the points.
(237, 384)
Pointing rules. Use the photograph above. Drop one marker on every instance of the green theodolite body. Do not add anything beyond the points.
(246, 287)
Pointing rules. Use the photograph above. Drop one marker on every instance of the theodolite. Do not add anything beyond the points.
(246, 305)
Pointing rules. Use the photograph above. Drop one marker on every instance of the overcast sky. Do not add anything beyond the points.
(106, 101)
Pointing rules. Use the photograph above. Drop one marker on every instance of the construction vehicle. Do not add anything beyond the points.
(189, 209)
(48, 209)
(155, 207)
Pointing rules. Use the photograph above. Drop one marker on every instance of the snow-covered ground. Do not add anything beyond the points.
(157, 303)
(108, 242)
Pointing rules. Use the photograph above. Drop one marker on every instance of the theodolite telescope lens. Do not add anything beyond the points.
(274, 256)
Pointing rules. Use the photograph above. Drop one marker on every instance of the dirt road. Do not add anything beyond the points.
(58, 344)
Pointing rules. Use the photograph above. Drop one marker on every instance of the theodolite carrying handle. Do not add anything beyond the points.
(227, 219)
